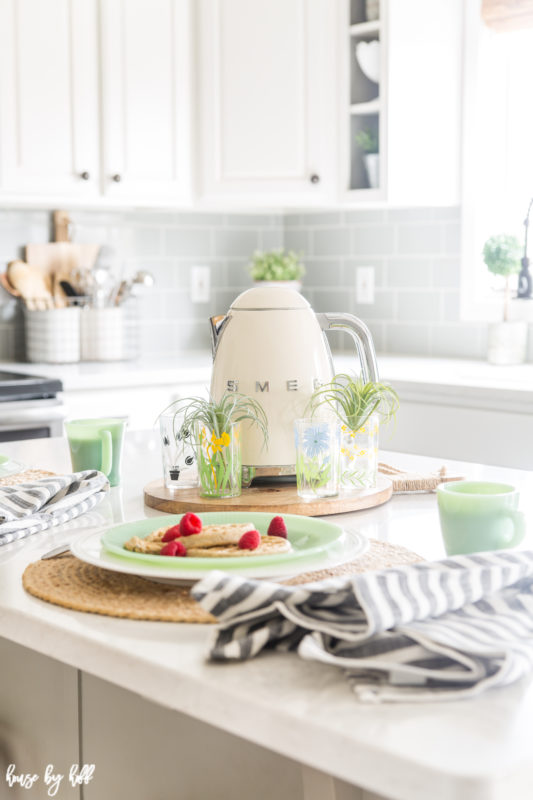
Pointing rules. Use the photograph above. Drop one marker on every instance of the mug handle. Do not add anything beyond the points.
(519, 524)
(107, 452)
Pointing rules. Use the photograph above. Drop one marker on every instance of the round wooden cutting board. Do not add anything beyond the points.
(279, 499)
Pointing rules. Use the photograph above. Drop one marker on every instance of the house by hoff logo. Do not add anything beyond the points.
(264, 386)
(77, 776)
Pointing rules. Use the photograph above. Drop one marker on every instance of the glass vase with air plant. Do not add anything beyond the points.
(360, 408)
(215, 426)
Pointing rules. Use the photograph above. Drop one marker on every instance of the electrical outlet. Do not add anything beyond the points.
(200, 284)
(364, 277)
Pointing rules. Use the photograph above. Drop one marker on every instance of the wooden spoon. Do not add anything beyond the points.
(4, 283)
(31, 285)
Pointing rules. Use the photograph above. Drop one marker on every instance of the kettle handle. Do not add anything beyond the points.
(361, 336)
(218, 324)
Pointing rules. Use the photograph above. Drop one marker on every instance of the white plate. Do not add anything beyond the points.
(88, 548)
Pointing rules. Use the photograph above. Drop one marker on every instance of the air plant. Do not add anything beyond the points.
(212, 427)
(353, 401)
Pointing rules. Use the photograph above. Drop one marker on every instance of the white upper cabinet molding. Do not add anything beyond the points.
(146, 100)
(49, 98)
(267, 83)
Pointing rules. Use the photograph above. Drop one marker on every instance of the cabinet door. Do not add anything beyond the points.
(49, 98)
(268, 88)
(146, 99)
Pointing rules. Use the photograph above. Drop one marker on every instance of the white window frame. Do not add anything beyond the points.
(473, 308)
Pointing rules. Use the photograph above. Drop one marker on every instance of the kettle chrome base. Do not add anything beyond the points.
(249, 473)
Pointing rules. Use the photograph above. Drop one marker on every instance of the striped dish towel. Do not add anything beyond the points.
(428, 631)
(29, 508)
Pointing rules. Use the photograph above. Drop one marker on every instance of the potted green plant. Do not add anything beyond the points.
(214, 427)
(368, 141)
(277, 267)
(360, 408)
(507, 340)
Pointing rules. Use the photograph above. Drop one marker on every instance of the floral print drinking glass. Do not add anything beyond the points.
(219, 461)
(317, 457)
(359, 455)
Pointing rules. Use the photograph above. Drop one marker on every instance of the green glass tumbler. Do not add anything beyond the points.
(97, 444)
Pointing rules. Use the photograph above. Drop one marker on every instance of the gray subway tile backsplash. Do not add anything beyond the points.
(368, 240)
(330, 241)
(240, 242)
(187, 242)
(420, 238)
(408, 272)
(415, 253)
(419, 306)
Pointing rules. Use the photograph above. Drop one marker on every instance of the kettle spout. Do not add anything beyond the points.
(217, 324)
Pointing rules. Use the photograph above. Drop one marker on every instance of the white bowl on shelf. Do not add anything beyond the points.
(367, 55)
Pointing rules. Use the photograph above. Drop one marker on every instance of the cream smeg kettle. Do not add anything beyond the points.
(271, 346)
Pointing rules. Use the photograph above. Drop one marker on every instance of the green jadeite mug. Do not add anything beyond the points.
(479, 515)
(97, 444)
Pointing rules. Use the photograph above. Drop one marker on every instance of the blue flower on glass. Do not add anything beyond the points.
(316, 440)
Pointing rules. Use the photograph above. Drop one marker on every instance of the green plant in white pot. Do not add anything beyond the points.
(368, 142)
(277, 267)
(507, 341)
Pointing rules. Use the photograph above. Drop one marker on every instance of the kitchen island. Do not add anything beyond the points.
(139, 701)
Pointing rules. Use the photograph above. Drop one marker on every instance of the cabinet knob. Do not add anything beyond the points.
(117, 178)
(314, 178)
(85, 176)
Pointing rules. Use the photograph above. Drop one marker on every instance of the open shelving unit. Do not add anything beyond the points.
(363, 102)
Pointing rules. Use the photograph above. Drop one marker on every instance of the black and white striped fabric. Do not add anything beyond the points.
(29, 508)
(427, 631)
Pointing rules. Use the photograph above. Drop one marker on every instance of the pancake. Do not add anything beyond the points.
(210, 536)
(270, 545)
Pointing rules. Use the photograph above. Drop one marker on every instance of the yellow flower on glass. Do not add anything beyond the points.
(218, 442)
(362, 452)
(362, 430)
(344, 428)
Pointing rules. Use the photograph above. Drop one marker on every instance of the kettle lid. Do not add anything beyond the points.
(269, 297)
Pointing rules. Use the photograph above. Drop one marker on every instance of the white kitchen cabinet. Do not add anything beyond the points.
(95, 101)
(414, 108)
(39, 721)
(49, 98)
(146, 99)
(267, 82)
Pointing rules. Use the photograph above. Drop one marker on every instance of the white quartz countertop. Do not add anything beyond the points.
(450, 381)
(471, 750)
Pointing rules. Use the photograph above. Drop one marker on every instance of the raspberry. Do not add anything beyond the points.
(250, 540)
(171, 534)
(190, 524)
(277, 527)
(174, 548)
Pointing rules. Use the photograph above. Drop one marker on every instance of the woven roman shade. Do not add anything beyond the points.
(507, 15)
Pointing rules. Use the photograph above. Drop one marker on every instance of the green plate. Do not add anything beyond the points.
(307, 535)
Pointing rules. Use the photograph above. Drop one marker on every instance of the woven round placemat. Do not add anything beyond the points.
(28, 476)
(71, 583)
